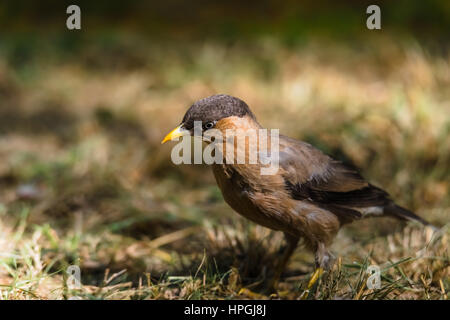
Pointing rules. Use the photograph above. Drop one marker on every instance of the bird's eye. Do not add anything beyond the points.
(208, 125)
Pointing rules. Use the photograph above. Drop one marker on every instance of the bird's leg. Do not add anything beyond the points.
(292, 242)
(324, 258)
(324, 262)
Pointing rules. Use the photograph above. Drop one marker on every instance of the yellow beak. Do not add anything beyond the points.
(175, 133)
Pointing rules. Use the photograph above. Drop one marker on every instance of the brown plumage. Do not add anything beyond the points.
(310, 197)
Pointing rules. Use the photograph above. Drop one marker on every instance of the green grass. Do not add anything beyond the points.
(84, 180)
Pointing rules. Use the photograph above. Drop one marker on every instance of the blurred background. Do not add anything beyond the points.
(84, 179)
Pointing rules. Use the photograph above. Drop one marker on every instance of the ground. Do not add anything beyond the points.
(84, 180)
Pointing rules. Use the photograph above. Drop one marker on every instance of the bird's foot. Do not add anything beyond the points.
(252, 294)
(316, 275)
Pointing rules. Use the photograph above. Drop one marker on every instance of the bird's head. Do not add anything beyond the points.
(211, 112)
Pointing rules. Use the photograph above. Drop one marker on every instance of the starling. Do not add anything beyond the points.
(311, 196)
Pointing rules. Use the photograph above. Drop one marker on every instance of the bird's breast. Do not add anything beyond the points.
(251, 197)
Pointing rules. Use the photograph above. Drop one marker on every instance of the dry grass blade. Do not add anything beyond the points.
(172, 237)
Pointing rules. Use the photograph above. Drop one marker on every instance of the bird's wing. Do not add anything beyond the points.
(313, 176)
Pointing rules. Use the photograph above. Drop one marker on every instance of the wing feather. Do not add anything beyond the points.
(313, 176)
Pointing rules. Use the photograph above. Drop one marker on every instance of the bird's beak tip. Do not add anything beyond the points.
(175, 133)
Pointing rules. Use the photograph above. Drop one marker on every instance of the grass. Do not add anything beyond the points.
(84, 180)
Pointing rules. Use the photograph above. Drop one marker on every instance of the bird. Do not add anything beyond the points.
(310, 197)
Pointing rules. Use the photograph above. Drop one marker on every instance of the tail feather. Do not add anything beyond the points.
(404, 214)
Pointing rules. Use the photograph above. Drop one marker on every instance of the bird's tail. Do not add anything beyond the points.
(404, 214)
